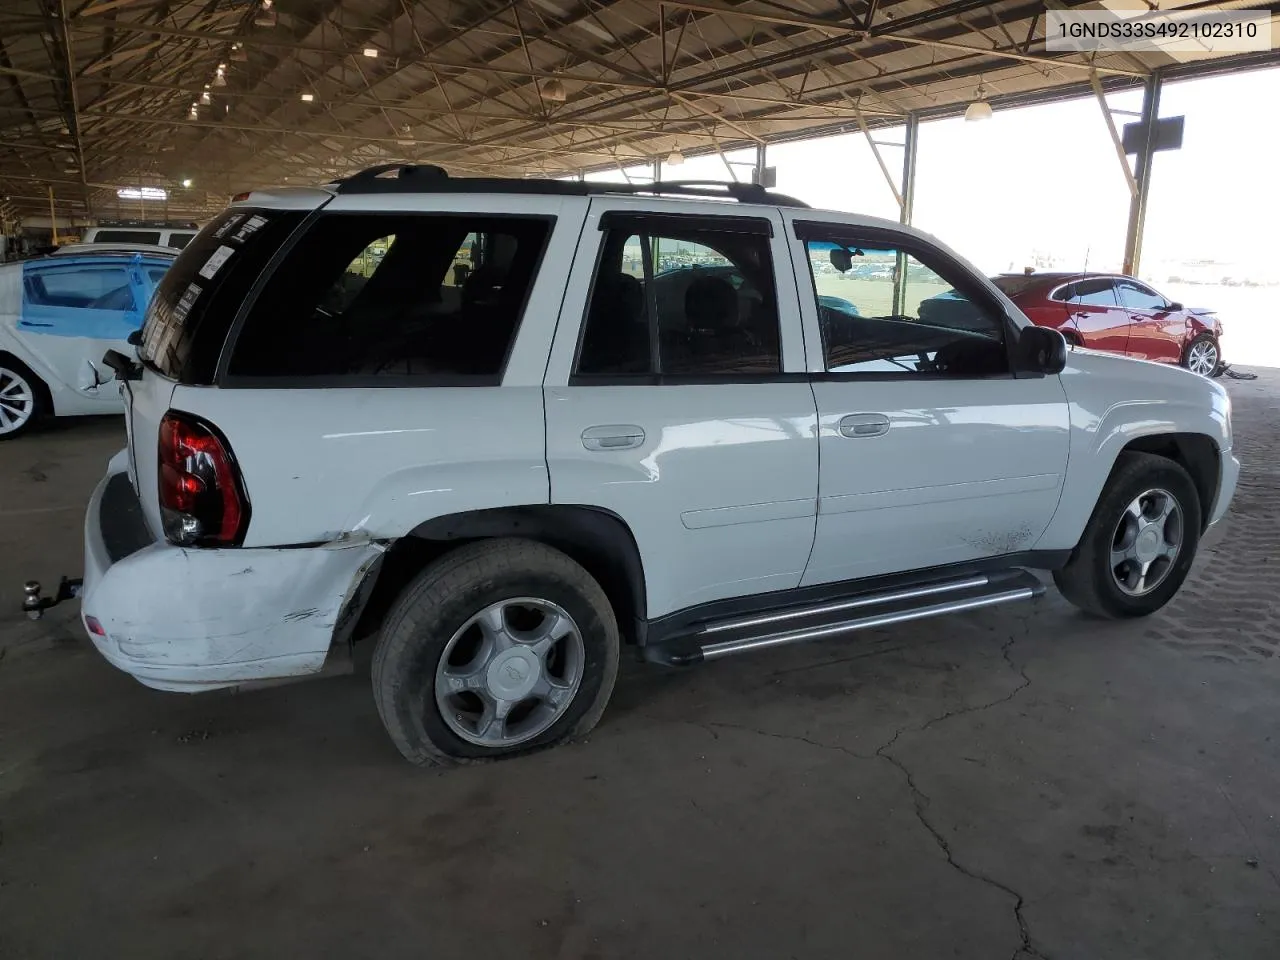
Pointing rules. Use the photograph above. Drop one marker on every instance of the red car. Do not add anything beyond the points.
(1118, 314)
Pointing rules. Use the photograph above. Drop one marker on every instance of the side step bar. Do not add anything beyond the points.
(723, 638)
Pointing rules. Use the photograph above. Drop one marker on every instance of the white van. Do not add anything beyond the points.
(157, 235)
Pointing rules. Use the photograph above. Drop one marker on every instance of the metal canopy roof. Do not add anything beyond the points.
(98, 94)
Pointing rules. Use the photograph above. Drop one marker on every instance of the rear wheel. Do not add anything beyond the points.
(1202, 355)
(500, 647)
(1140, 542)
(21, 399)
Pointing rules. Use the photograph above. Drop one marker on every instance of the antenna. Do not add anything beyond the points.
(1085, 268)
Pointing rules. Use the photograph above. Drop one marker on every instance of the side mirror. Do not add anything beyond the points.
(125, 369)
(841, 259)
(135, 339)
(1041, 350)
(1174, 306)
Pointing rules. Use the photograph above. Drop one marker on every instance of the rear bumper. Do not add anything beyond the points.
(188, 619)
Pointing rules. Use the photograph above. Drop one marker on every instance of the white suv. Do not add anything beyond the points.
(508, 426)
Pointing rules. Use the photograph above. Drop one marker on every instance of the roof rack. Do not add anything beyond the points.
(426, 178)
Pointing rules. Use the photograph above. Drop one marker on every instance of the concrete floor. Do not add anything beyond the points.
(1013, 783)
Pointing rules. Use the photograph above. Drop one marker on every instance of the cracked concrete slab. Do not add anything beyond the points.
(1013, 783)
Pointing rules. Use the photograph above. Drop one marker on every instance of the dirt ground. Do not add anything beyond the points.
(1014, 783)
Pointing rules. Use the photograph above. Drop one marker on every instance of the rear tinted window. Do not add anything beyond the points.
(1012, 286)
(179, 241)
(395, 295)
(127, 236)
(199, 296)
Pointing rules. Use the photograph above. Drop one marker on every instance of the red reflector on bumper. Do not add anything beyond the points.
(93, 626)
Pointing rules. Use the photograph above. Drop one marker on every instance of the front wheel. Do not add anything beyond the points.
(1138, 546)
(500, 647)
(1202, 356)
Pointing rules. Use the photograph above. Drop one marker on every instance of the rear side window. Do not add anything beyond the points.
(199, 296)
(127, 236)
(673, 299)
(179, 241)
(390, 296)
(1090, 293)
(79, 287)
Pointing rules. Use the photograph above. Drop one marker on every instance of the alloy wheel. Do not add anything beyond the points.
(510, 672)
(17, 401)
(1146, 543)
(1203, 358)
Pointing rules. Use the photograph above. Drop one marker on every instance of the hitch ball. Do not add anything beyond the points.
(32, 604)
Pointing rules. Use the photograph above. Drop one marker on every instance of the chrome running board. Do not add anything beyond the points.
(722, 638)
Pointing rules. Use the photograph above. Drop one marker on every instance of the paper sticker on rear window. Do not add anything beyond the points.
(184, 306)
(228, 225)
(215, 261)
(250, 227)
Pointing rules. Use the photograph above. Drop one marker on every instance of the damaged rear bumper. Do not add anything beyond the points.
(191, 619)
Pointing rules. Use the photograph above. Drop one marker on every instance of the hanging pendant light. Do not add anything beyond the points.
(979, 109)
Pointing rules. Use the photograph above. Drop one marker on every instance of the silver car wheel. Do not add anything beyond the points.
(1146, 542)
(510, 672)
(1203, 358)
(17, 401)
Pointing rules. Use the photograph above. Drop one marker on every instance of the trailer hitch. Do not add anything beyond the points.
(34, 605)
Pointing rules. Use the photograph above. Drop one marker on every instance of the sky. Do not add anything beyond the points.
(1047, 180)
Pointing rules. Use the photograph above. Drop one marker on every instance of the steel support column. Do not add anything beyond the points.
(760, 162)
(906, 200)
(910, 146)
(1142, 174)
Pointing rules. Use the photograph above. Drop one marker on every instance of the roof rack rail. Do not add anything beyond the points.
(427, 178)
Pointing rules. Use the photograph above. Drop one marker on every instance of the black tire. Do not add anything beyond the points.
(1201, 339)
(1087, 581)
(12, 367)
(448, 593)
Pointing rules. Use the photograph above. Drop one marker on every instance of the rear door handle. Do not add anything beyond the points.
(858, 425)
(612, 437)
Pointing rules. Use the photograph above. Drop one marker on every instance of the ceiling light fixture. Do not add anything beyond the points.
(142, 193)
(186, 183)
(238, 53)
(194, 113)
(674, 158)
(370, 52)
(307, 97)
(266, 16)
(205, 98)
(554, 91)
(979, 109)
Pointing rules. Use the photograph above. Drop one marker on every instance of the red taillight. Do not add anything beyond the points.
(93, 626)
(201, 498)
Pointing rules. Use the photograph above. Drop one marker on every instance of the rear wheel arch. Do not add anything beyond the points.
(597, 539)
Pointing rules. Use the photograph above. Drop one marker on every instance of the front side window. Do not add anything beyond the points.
(885, 310)
(1137, 297)
(79, 287)
(672, 300)
(394, 295)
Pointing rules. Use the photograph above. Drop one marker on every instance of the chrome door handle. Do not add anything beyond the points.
(858, 425)
(612, 437)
